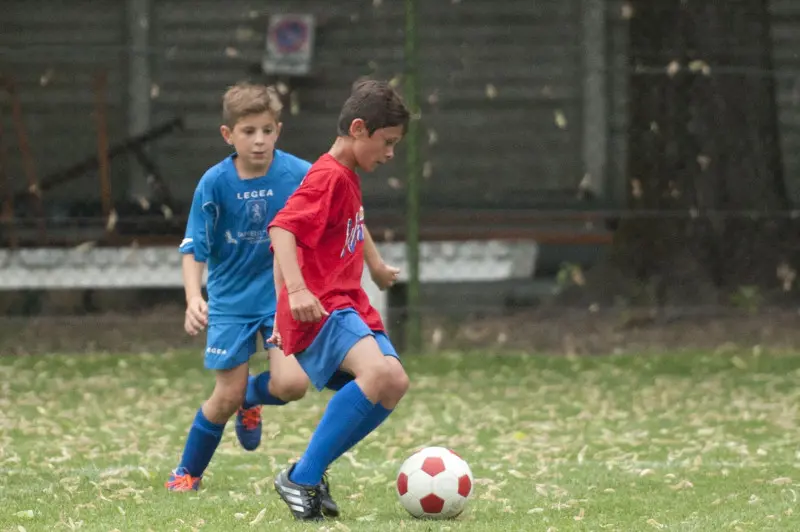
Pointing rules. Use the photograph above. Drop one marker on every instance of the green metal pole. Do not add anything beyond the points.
(413, 330)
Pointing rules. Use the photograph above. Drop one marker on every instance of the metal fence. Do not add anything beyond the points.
(593, 175)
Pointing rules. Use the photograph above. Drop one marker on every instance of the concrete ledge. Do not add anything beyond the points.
(453, 262)
(160, 267)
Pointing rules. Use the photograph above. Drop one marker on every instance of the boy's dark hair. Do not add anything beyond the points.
(377, 104)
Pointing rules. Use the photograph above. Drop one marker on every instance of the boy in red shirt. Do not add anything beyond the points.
(324, 317)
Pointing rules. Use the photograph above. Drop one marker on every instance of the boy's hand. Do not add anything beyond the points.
(384, 275)
(196, 316)
(305, 306)
(275, 338)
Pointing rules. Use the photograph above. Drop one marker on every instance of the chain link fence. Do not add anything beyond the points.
(631, 186)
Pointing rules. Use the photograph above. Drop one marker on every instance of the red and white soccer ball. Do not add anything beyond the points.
(434, 483)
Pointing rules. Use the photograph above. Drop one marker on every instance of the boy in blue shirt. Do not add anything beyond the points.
(227, 229)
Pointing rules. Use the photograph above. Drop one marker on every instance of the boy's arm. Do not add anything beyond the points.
(196, 308)
(195, 248)
(277, 277)
(284, 245)
(304, 305)
(192, 277)
(382, 274)
(371, 254)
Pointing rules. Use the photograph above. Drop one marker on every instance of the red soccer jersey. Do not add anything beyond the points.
(326, 216)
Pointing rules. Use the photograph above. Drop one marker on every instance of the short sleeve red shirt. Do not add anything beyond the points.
(326, 216)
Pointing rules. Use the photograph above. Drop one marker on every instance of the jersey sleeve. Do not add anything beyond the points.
(308, 210)
(203, 217)
(298, 173)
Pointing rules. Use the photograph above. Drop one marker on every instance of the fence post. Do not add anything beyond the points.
(103, 163)
(413, 329)
(34, 193)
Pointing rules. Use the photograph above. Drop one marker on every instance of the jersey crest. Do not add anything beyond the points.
(256, 210)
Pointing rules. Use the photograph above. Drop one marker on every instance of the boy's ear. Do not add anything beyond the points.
(358, 128)
(226, 133)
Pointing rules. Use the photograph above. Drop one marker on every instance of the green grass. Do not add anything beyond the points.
(683, 442)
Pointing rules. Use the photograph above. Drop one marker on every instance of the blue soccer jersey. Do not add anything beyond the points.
(227, 229)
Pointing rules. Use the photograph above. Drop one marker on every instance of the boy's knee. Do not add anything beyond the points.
(374, 380)
(398, 381)
(392, 381)
(289, 389)
(227, 399)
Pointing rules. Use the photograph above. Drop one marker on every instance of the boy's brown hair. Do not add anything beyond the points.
(247, 98)
(377, 104)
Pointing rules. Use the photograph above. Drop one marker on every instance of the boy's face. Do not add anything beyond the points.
(376, 149)
(253, 137)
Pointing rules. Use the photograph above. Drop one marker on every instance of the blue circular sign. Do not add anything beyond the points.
(290, 35)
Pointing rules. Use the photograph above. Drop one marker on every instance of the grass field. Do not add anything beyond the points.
(697, 441)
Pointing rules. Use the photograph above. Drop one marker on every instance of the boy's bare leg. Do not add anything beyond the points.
(228, 394)
(288, 382)
(207, 428)
(379, 383)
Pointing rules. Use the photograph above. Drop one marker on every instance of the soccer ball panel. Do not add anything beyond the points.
(420, 484)
(454, 463)
(412, 505)
(413, 463)
(454, 506)
(433, 465)
(402, 484)
(434, 451)
(465, 485)
(432, 504)
(445, 485)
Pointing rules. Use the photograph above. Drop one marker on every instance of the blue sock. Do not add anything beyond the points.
(373, 420)
(258, 392)
(346, 411)
(204, 437)
(339, 380)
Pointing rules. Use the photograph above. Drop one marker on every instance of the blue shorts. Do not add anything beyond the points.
(342, 330)
(230, 345)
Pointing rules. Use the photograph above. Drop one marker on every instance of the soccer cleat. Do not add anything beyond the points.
(303, 501)
(329, 506)
(181, 480)
(248, 427)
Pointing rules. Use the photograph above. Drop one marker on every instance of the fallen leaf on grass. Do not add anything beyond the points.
(259, 517)
(682, 485)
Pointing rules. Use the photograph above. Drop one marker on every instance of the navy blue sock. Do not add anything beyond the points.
(258, 392)
(373, 420)
(339, 380)
(204, 437)
(346, 411)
